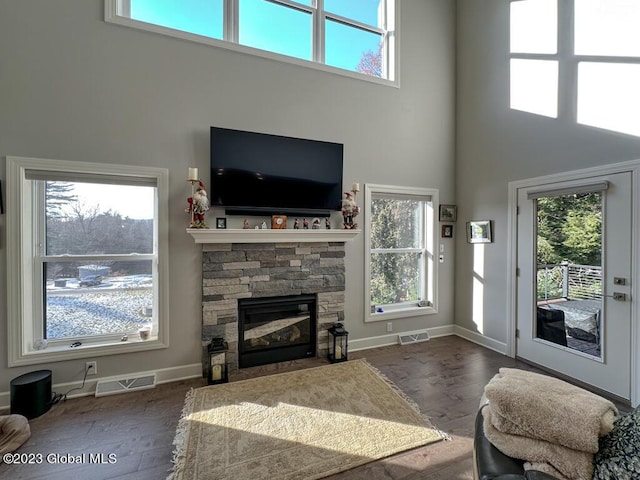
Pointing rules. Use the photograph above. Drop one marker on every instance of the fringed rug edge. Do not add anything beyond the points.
(398, 391)
(180, 439)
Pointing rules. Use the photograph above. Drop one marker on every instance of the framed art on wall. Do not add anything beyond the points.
(448, 213)
(447, 231)
(479, 231)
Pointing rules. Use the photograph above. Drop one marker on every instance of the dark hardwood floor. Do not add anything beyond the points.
(444, 376)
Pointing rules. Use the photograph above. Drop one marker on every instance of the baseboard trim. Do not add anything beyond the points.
(185, 372)
(163, 375)
(392, 338)
(480, 339)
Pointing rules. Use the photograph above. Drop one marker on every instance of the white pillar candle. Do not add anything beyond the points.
(216, 372)
(338, 352)
(355, 187)
(193, 175)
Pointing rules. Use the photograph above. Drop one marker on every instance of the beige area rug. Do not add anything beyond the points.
(306, 424)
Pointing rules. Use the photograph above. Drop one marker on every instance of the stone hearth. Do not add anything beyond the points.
(231, 271)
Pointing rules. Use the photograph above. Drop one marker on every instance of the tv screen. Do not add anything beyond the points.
(258, 173)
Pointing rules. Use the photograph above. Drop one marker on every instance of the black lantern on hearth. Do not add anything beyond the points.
(218, 371)
(338, 343)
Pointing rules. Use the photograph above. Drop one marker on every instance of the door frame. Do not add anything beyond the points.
(512, 255)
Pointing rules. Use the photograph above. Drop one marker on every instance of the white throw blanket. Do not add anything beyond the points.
(557, 460)
(546, 421)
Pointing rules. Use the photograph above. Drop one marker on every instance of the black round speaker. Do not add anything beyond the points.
(31, 394)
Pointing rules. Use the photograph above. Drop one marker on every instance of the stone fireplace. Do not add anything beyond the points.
(233, 272)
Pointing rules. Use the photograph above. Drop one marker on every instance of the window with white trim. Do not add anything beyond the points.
(587, 71)
(356, 35)
(400, 241)
(85, 269)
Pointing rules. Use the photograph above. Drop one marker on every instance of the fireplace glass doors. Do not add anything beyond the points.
(276, 329)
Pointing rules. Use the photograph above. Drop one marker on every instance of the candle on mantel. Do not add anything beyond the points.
(338, 352)
(216, 372)
(355, 187)
(193, 175)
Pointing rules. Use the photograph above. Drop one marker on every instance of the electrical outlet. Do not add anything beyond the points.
(91, 368)
(389, 327)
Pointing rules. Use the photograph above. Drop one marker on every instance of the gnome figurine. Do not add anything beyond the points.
(349, 211)
(198, 205)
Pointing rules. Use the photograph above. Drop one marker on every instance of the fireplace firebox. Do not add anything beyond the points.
(276, 329)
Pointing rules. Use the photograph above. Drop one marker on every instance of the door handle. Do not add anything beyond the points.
(621, 297)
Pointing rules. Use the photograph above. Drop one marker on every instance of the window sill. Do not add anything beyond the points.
(61, 353)
(401, 313)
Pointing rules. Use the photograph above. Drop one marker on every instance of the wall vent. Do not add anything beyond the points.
(113, 386)
(413, 337)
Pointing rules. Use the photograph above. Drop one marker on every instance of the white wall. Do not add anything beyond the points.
(76, 88)
(496, 145)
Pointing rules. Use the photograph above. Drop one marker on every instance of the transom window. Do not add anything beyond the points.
(354, 35)
(85, 259)
(587, 71)
(400, 249)
(534, 56)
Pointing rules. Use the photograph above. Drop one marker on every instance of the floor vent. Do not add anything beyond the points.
(113, 386)
(413, 337)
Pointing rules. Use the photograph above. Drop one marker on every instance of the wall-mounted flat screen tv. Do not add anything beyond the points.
(258, 173)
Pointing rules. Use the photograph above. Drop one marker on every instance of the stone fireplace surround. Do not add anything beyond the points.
(231, 271)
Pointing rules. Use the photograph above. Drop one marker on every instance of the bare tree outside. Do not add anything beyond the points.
(58, 195)
(371, 63)
(100, 296)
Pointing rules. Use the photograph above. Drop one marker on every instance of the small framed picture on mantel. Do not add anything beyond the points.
(279, 222)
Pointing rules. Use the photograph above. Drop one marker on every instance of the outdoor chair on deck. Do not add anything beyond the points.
(550, 325)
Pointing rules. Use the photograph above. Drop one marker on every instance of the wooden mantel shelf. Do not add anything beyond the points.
(235, 235)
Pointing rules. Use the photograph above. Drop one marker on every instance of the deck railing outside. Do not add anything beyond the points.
(569, 281)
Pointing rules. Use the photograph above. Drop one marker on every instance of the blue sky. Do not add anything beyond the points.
(270, 26)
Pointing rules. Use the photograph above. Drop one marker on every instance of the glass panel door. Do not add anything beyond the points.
(569, 285)
(574, 277)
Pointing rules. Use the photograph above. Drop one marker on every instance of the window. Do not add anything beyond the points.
(400, 238)
(607, 45)
(591, 67)
(534, 59)
(85, 261)
(276, 28)
(202, 17)
(356, 36)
